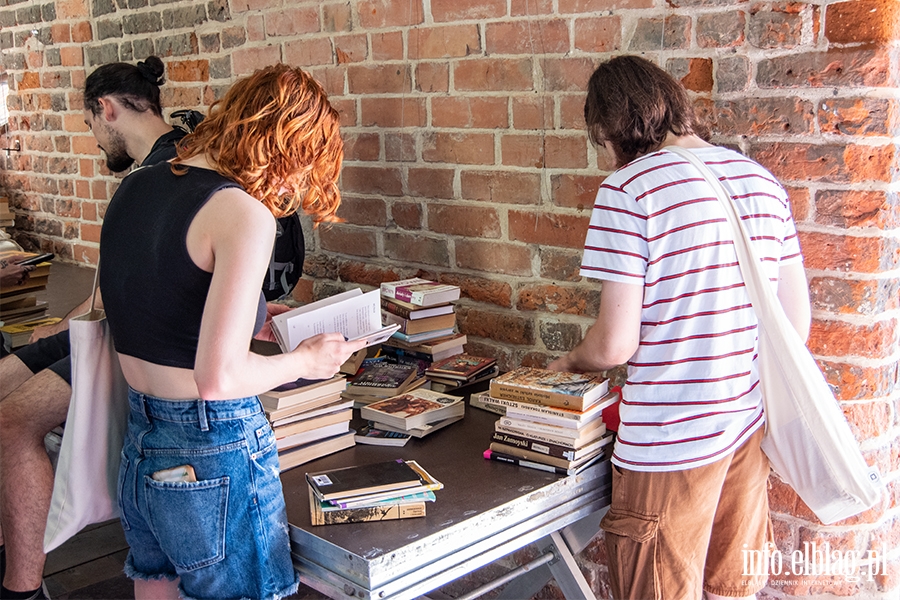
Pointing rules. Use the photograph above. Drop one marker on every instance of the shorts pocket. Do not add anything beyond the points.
(631, 542)
(188, 520)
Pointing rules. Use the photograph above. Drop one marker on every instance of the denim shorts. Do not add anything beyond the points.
(225, 534)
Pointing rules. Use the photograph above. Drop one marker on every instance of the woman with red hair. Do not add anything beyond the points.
(184, 248)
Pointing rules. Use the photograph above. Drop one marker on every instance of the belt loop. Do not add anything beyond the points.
(201, 414)
(142, 403)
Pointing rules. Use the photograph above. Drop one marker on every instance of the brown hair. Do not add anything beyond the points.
(275, 130)
(634, 104)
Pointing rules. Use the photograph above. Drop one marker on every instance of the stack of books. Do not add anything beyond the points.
(396, 489)
(553, 420)
(416, 413)
(459, 371)
(7, 218)
(310, 419)
(379, 380)
(19, 304)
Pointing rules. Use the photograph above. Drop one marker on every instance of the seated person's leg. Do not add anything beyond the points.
(49, 352)
(26, 477)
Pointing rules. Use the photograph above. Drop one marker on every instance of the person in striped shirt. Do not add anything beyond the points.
(689, 479)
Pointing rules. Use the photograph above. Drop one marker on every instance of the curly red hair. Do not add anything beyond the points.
(275, 133)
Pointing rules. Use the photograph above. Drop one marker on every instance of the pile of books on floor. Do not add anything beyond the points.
(424, 312)
(459, 371)
(417, 413)
(378, 380)
(310, 419)
(20, 305)
(7, 218)
(395, 489)
(553, 420)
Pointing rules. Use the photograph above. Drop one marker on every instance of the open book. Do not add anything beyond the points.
(352, 313)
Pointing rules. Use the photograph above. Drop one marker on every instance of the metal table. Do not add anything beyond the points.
(485, 511)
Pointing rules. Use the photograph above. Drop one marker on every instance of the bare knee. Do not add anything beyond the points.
(34, 408)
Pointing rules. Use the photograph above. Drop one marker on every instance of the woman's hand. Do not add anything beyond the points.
(272, 308)
(323, 354)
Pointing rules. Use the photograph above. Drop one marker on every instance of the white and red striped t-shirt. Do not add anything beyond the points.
(692, 393)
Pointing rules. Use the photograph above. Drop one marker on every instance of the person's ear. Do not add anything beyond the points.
(108, 109)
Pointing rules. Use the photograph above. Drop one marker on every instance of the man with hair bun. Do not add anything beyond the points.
(122, 109)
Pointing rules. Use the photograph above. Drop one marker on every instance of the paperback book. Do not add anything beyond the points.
(412, 327)
(305, 453)
(540, 457)
(414, 409)
(383, 379)
(420, 432)
(550, 449)
(369, 434)
(413, 312)
(311, 435)
(463, 367)
(420, 292)
(530, 464)
(359, 480)
(300, 391)
(576, 437)
(417, 338)
(551, 388)
(382, 512)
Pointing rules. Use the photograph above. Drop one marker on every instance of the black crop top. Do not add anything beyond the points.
(153, 293)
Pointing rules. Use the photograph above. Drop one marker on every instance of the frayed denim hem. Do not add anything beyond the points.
(288, 591)
(133, 573)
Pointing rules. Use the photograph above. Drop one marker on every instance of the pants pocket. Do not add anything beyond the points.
(188, 520)
(631, 542)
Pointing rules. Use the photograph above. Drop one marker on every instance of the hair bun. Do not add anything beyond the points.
(152, 69)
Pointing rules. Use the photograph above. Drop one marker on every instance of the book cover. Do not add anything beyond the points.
(413, 312)
(548, 449)
(433, 347)
(368, 434)
(529, 425)
(300, 391)
(414, 409)
(360, 515)
(540, 457)
(461, 366)
(420, 432)
(530, 464)
(552, 388)
(417, 338)
(424, 496)
(305, 453)
(428, 484)
(311, 435)
(420, 292)
(320, 420)
(583, 436)
(484, 401)
(382, 377)
(413, 327)
(298, 411)
(439, 384)
(556, 415)
(363, 479)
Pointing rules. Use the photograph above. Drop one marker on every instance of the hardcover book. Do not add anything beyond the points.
(414, 409)
(418, 338)
(548, 449)
(413, 312)
(420, 292)
(384, 512)
(363, 479)
(428, 484)
(412, 327)
(529, 427)
(461, 366)
(530, 464)
(551, 388)
(383, 378)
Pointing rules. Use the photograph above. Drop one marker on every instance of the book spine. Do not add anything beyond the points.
(395, 309)
(362, 515)
(491, 455)
(534, 445)
(549, 438)
(524, 408)
(539, 427)
(501, 390)
(532, 456)
(541, 418)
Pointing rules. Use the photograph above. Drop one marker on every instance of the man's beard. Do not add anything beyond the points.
(117, 158)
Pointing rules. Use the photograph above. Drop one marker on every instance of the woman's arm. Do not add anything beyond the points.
(232, 236)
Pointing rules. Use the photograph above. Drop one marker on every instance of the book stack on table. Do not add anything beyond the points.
(459, 371)
(379, 380)
(310, 419)
(553, 420)
(416, 413)
(395, 489)
(20, 305)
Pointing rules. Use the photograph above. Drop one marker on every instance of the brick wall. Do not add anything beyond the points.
(467, 162)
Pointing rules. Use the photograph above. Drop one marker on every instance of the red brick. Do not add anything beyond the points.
(458, 148)
(331, 79)
(565, 152)
(461, 220)
(83, 189)
(248, 5)
(432, 77)
(593, 6)
(800, 203)
(88, 210)
(480, 289)
(522, 151)
(374, 14)
(527, 37)
(565, 231)
(580, 300)
(188, 70)
(363, 211)
(853, 67)
(361, 146)
(293, 21)
(430, 183)
(371, 180)
(86, 167)
(30, 80)
(849, 253)
(566, 74)
(487, 74)
(348, 240)
(303, 291)
(468, 112)
(337, 17)
(379, 79)
(407, 215)
(362, 273)
(351, 48)
(851, 296)
(256, 28)
(347, 110)
(857, 116)
(699, 77)
(870, 163)
(461, 10)
(839, 338)
(71, 9)
(85, 144)
(862, 21)
(71, 56)
(764, 116)
(494, 257)
(416, 248)
(75, 123)
(856, 208)
(449, 41)
(560, 265)
(181, 96)
(507, 187)
(803, 162)
(504, 327)
(399, 147)
(247, 60)
(529, 112)
(81, 32)
(527, 8)
(868, 419)
(721, 30)
(387, 46)
(305, 52)
(86, 254)
(854, 382)
(775, 28)
(571, 111)
(60, 33)
(68, 208)
(392, 112)
(98, 190)
(575, 191)
(598, 34)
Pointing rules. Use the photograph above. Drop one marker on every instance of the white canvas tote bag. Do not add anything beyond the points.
(808, 440)
(84, 488)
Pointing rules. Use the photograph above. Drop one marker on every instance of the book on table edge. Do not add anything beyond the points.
(515, 425)
(419, 326)
(564, 417)
(418, 338)
(551, 388)
(421, 292)
(296, 412)
(414, 409)
(382, 378)
(359, 480)
(369, 434)
(329, 418)
(550, 449)
(484, 401)
(294, 457)
(428, 483)
(337, 404)
(361, 515)
(300, 391)
(521, 462)
(286, 443)
(454, 386)
(585, 437)
(429, 346)
(413, 312)
(418, 496)
(540, 457)
(462, 366)
(420, 432)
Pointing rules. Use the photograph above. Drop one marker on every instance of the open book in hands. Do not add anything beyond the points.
(353, 314)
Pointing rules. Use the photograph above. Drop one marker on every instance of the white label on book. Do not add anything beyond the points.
(321, 480)
(540, 448)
